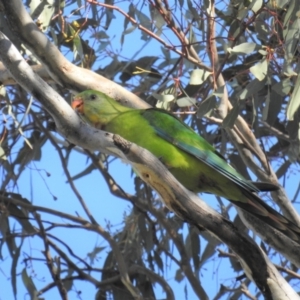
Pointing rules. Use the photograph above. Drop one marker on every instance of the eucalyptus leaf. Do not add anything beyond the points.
(266, 107)
(2, 154)
(186, 101)
(256, 5)
(163, 100)
(294, 101)
(244, 48)
(158, 261)
(253, 87)
(283, 87)
(206, 106)
(77, 45)
(208, 252)
(43, 11)
(198, 76)
(29, 284)
(260, 70)
(229, 120)
(179, 276)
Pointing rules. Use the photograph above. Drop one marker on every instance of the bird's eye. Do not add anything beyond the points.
(93, 97)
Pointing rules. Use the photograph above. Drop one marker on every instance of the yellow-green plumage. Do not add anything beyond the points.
(190, 158)
(186, 168)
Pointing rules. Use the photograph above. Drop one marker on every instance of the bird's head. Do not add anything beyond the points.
(96, 108)
(90, 99)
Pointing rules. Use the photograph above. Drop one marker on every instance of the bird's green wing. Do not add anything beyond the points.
(183, 137)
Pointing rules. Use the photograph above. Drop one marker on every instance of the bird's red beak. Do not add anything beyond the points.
(77, 105)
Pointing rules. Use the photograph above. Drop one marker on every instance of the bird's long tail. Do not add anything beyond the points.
(257, 207)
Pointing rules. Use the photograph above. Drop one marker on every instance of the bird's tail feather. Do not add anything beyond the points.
(270, 216)
(265, 186)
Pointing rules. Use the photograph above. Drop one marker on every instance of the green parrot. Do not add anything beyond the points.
(191, 159)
